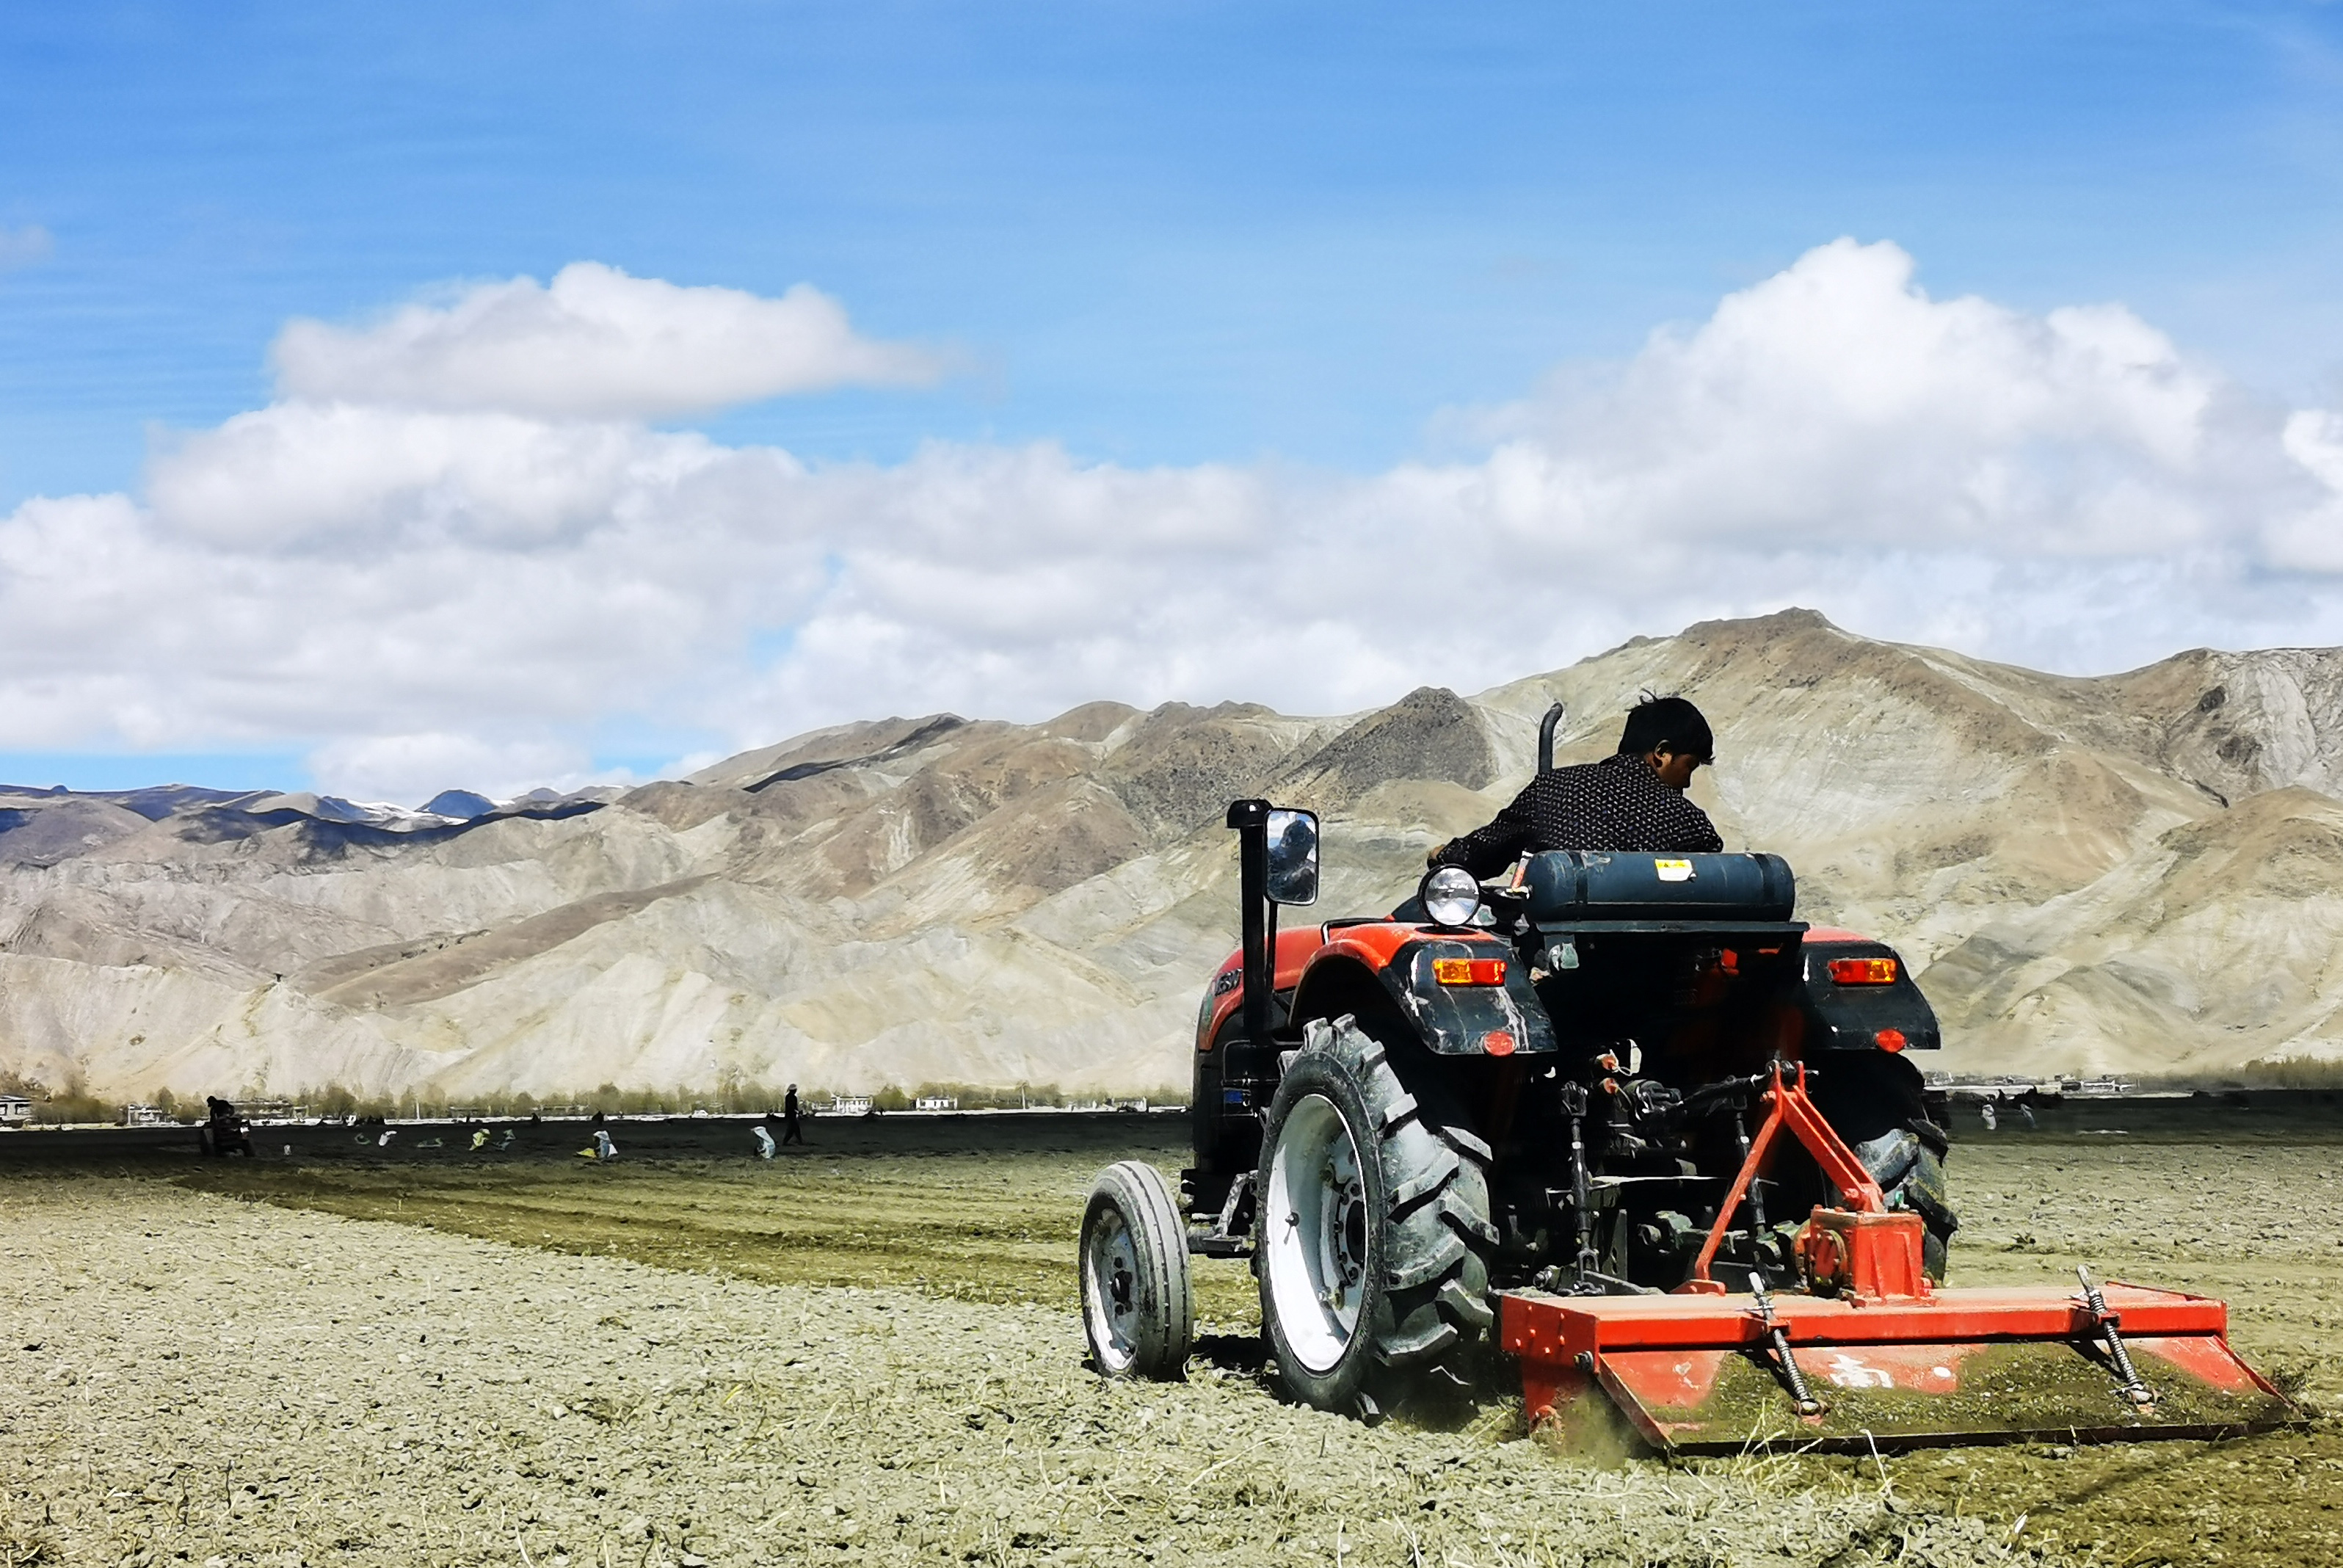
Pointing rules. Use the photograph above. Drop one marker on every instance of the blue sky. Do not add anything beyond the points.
(1280, 237)
(1167, 233)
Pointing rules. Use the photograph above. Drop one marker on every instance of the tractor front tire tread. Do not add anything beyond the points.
(1166, 1288)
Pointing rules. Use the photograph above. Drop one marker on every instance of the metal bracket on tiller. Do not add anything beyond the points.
(1862, 1247)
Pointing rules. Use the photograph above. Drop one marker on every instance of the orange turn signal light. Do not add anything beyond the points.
(1468, 971)
(1863, 971)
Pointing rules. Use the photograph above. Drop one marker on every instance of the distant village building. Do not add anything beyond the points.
(146, 1116)
(937, 1102)
(15, 1111)
(849, 1105)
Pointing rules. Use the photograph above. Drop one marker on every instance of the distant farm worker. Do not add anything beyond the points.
(479, 1139)
(1632, 800)
(792, 1129)
(764, 1142)
(603, 1147)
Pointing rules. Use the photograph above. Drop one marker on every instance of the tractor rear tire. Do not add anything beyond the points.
(1877, 1101)
(1373, 1236)
(1909, 1166)
(1139, 1301)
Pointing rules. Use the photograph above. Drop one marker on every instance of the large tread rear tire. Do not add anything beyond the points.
(1138, 1300)
(1410, 1272)
(1877, 1102)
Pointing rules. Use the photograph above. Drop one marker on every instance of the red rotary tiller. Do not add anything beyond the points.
(1869, 1350)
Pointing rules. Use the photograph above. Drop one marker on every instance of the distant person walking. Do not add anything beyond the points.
(792, 1129)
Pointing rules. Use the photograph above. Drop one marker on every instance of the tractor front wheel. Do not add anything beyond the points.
(1139, 1303)
(1371, 1231)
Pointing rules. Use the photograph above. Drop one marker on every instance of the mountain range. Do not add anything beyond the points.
(2133, 873)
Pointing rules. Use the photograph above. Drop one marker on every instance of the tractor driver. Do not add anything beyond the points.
(1633, 800)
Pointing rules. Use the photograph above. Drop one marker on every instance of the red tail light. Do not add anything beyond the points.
(1890, 1039)
(1468, 971)
(1863, 971)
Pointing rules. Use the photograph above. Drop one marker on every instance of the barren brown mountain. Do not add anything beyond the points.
(2133, 873)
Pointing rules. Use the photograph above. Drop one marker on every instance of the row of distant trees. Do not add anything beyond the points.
(72, 1103)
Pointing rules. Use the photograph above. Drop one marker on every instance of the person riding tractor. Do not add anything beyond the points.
(1543, 1071)
(1634, 800)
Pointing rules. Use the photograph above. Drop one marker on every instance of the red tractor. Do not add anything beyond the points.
(1603, 1079)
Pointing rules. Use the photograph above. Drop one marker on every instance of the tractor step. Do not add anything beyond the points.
(1706, 1373)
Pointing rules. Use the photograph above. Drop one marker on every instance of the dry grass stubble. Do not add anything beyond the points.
(961, 1264)
(198, 1379)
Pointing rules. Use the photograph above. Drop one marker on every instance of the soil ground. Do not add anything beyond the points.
(864, 1350)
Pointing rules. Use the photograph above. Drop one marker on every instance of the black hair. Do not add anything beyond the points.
(1666, 724)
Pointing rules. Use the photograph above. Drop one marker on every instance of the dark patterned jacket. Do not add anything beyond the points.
(1618, 803)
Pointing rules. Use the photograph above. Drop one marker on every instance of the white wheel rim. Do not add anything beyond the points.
(1110, 1293)
(1314, 1230)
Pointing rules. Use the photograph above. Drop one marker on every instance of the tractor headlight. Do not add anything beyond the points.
(1452, 896)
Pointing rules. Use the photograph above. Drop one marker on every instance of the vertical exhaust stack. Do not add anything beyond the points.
(1250, 821)
(1546, 726)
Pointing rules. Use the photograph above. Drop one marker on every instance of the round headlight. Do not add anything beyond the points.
(1452, 896)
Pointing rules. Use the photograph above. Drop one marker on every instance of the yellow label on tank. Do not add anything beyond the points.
(1674, 870)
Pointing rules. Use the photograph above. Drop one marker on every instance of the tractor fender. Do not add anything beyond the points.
(1839, 1016)
(1501, 1019)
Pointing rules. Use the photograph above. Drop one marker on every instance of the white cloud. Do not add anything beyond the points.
(2311, 539)
(1836, 402)
(596, 345)
(435, 596)
(25, 246)
(411, 769)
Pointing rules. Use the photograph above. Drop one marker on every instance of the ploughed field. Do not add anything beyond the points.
(866, 1351)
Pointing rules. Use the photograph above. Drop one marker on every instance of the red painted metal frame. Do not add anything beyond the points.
(1864, 1244)
(1648, 1353)
(1559, 1329)
(1633, 1348)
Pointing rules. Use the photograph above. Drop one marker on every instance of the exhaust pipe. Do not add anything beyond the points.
(1250, 821)
(1547, 726)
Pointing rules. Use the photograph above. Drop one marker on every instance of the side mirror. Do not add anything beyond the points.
(1292, 857)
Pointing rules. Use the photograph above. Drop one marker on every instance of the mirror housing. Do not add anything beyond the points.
(1292, 857)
